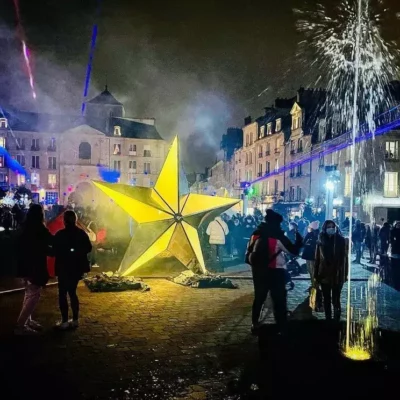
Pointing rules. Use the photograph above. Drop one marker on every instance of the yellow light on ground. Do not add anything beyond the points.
(357, 354)
(168, 220)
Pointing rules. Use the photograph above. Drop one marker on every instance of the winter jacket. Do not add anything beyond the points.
(217, 230)
(310, 245)
(34, 245)
(331, 260)
(71, 248)
(384, 233)
(278, 245)
(395, 241)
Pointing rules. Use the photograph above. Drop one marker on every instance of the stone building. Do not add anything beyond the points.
(62, 154)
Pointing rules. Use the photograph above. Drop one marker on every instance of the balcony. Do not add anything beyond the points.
(300, 150)
(52, 148)
(35, 148)
(132, 153)
(35, 166)
(292, 151)
(259, 174)
(52, 167)
(22, 147)
(267, 153)
(299, 174)
(291, 175)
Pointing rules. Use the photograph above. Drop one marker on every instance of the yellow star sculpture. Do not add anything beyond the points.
(167, 219)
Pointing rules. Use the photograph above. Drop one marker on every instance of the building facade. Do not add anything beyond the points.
(62, 155)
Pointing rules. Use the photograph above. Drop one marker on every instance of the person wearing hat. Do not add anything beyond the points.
(266, 255)
(310, 245)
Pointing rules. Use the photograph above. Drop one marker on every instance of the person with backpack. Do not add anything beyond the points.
(71, 249)
(266, 255)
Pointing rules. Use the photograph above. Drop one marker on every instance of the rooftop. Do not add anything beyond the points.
(105, 97)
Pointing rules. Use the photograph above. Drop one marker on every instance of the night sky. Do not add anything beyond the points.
(196, 66)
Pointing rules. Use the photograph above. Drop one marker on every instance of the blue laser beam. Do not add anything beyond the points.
(11, 163)
(90, 62)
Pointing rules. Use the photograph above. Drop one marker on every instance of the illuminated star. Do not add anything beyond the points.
(167, 219)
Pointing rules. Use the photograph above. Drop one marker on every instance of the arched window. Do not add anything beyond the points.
(85, 151)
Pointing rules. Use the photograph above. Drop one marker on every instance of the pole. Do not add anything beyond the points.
(352, 149)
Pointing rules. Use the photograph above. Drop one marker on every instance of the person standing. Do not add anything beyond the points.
(374, 242)
(384, 237)
(266, 255)
(71, 249)
(358, 238)
(310, 245)
(34, 242)
(331, 267)
(217, 230)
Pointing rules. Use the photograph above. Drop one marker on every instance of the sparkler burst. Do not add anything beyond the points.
(335, 37)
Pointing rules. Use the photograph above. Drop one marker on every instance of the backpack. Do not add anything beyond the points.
(258, 250)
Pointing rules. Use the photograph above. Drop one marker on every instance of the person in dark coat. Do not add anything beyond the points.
(374, 242)
(384, 237)
(358, 238)
(71, 249)
(248, 227)
(331, 267)
(395, 240)
(310, 245)
(34, 243)
(266, 251)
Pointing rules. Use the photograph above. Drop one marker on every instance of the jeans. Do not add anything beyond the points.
(31, 298)
(331, 295)
(357, 246)
(267, 280)
(68, 286)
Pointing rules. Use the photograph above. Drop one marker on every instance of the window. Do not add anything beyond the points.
(300, 146)
(260, 152)
(1, 162)
(299, 170)
(132, 148)
(296, 121)
(117, 149)
(251, 138)
(321, 130)
(391, 186)
(85, 151)
(131, 178)
(35, 162)
(117, 165)
(292, 147)
(247, 140)
(52, 145)
(347, 184)
(277, 146)
(52, 180)
(269, 128)
(21, 144)
(3, 123)
(291, 175)
(262, 131)
(298, 193)
(276, 165)
(147, 153)
(335, 124)
(35, 178)
(52, 163)
(291, 193)
(146, 168)
(251, 158)
(51, 197)
(247, 158)
(391, 150)
(278, 125)
(21, 180)
(21, 160)
(268, 150)
(132, 165)
(276, 186)
(2, 142)
(117, 130)
(3, 178)
(268, 167)
(260, 169)
(321, 160)
(35, 145)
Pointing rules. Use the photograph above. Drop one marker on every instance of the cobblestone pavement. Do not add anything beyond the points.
(171, 342)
